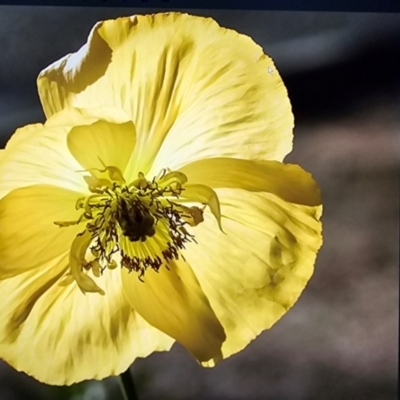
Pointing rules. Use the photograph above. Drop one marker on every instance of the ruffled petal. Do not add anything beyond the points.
(37, 154)
(193, 89)
(288, 181)
(28, 235)
(255, 273)
(61, 336)
(73, 73)
(172, 301)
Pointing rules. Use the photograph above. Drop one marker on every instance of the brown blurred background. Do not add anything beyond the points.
(340, 341)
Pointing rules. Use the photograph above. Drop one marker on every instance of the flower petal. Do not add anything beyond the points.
(36, 154)
(71, 116)
(193, 89)
(255, 273)
(288, 181)
(78, 71)
(102, 144)
(28, 235)
(203, 194)
(173, 302)
(78, 251)
(60, 336)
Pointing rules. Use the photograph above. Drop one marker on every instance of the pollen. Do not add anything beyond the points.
(136, 226)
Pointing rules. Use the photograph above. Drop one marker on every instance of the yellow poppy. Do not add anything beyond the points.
(153, 205)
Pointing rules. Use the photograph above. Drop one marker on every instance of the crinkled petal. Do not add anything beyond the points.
(73, 73)
(255, 273)
(194, 90)
(60, 336)
(36, 154)
(172, 301)
(288, 181)
(28, 235)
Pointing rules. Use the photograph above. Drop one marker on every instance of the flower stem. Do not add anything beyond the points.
(127, 386)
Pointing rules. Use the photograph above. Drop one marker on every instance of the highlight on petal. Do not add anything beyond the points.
(255, 273)
(73, 73)
(201, 92)
(28, 235)
(23, 134)
(76, 72)
(173, 302)
(39, 155)
(59, 336)
(288, 181)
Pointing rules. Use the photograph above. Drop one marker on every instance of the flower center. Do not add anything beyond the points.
(137, 226)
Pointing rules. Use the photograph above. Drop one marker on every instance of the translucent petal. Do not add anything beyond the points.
(61, 336)
(102, 144)
(28, 235)
(193, 89)
(203, 194)
(255, 273)
(288, 181)
(36, 154)
(172, 301)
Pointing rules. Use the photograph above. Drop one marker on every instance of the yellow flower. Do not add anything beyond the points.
(153, 204)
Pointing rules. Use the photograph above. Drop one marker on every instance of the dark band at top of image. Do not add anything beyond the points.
(284, 5)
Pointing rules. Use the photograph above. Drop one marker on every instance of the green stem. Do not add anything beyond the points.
(127, 386)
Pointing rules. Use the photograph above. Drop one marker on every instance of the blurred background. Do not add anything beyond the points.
(340, 341)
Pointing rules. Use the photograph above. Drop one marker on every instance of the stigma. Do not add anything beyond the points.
(136, 225)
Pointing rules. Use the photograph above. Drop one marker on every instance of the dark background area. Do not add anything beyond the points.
(340, 341)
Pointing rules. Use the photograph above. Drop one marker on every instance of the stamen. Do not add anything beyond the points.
(136, 226)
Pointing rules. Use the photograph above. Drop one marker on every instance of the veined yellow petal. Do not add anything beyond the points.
(288, 181)
(255, 273)
(202, 91)
(39, 155)
(102, 144)
(59, 336)
(173, 302)
(28, 235)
